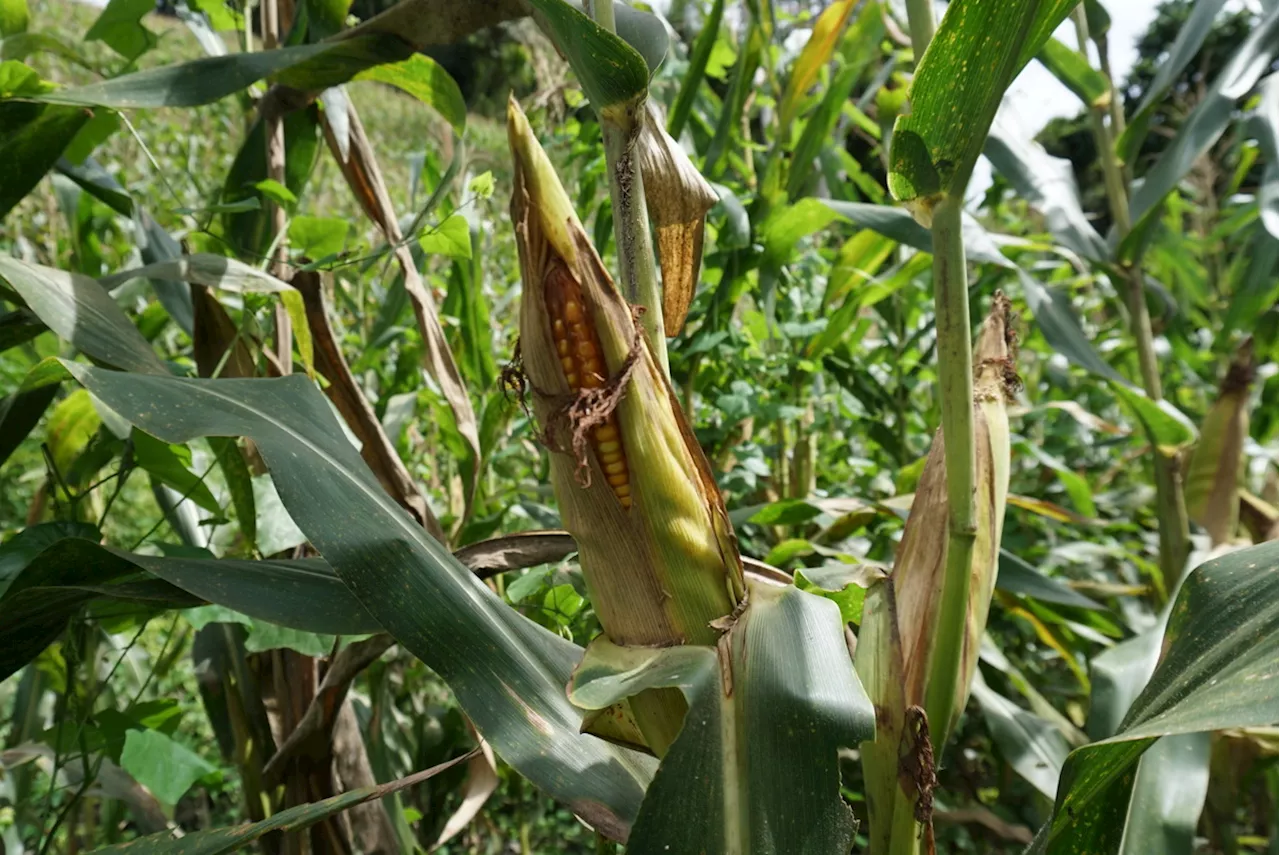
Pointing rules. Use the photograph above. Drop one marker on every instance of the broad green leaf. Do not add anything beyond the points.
(32, 138)
(451, 238)
(21, 411)
(1265, 128)
(788, 225)
(170, 465)
(1254, 289)
(250, 232)
(318, 237)
(18, 46)
(423, 78)
(978, 48)
(611, 72)
(97, 182)
(203, 81)
(120, 26)
(219, 841)
(1073, 70)
(644, 31)
(1032, 746)
(1207, 122)
(14, 17)
(507, 673)
(693, 76)
(1048, 184)
(53, 572)
(815, 54)
(1018, 577)
(1168, 796)
(1186, 45)
(202, 268)
(767, 713)
(744, 71)
(165, 767)
(80, 311)
(1218, 669)
(235, 471)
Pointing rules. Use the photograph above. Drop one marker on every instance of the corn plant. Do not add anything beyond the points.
(716, 702)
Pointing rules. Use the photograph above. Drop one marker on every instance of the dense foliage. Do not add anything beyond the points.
(149, 679)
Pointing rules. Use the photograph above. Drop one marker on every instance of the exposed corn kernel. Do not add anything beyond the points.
(580, 357)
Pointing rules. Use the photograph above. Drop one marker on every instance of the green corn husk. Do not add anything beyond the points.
(1212, 486)
(899, 630)
(661, 571)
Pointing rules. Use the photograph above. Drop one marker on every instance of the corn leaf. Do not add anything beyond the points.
(217, 841)
(1203, 126)
(611, 72)
(1191, 36)
(203, 81)
(1074, 72)
(1217, 669)
(697, 69)
(766, 717)
(507, 673)
(979, 46)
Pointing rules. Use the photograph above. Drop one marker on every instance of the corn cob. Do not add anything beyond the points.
(654, 542)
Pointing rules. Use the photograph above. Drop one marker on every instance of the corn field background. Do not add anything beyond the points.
(515, 427)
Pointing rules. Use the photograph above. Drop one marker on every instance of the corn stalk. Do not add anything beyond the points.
(1171, 509)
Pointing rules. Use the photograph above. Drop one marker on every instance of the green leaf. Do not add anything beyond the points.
(1206, 123)
(697, 69)
(1168, 796)
(203, 81)
(166, 768)
(1264, 126)
(426, 80)
(120, 26)
(93, 133)
(53, 571)
(18, 46)
(785, 512)
(1073, 70)
(788, 225)
(1048, 184)
(275, 192)
(1032, 746)
(169, 464)
(766, 717)
(218, 841)
(978, 48)
(507, 673)
(251, 232)
(32, 138)
(235, 471)
(1218, 669)
(318, 237)
(14, 17)
(450, 238)
(1018, 577)
(611, 72)
(1186, 45)
(644, 31)
(80, 311)
(21, 411)
(201, 268)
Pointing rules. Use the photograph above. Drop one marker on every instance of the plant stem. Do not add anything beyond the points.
(921, 22)
(1171, 508)
(620, 128)
(955, 375)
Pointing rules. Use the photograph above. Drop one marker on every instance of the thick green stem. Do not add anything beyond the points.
(620, 127)
(1171, 508)
(955, 375)
(921, 22)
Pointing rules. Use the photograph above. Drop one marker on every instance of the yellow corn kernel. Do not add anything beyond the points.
(580, 357)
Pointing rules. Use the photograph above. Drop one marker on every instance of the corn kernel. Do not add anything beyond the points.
(606, 432)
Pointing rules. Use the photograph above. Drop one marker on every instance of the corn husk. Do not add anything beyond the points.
(677, 197)
(1212, 486)
(660, 571)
